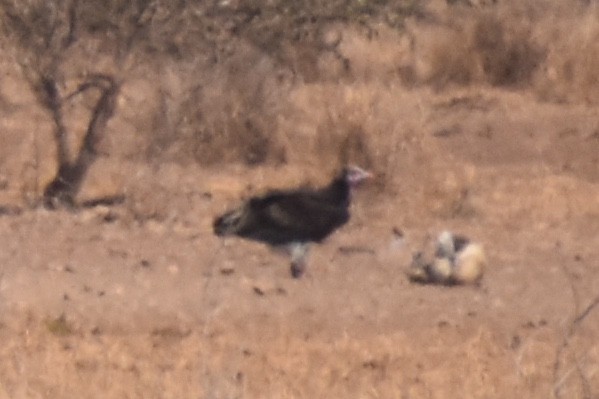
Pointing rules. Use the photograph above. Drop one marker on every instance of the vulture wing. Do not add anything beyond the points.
(284, 217)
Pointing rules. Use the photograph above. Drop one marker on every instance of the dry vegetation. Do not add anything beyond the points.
(231, 82)
(475, 115)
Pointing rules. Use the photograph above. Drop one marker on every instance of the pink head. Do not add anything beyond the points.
(355, 175)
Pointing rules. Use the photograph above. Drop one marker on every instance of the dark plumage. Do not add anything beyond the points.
(294, 218)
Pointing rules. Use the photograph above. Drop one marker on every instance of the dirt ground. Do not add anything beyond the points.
(141, 300)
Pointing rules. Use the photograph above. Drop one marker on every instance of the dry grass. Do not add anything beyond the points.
(220, 92)
(286, 366)
(549, 46)
(431, 96)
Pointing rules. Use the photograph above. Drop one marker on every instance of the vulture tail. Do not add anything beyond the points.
(229, 223)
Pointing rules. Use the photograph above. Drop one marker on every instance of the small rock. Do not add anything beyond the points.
(398, 241)
(59, 326)
(227, 271)
(155, 227)
(173, 269)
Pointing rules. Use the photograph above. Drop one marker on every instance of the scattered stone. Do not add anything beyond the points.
(117, 253)
(185, 229)
(355, 249)
(173, 269)
(516, 342)
(247, 352)
(59, 326)
(398, 233)
(442, 323)
(58, 266)
(227, 271)
(99, 213)
(119, 289)
(96, 331)
(155, 227)
(170, 332)
(398, 239)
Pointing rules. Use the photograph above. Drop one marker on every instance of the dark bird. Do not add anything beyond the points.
(293, 219)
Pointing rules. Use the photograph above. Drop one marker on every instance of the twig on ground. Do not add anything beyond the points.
(579, 317)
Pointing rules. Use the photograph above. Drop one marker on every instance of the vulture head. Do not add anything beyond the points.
(355, 175)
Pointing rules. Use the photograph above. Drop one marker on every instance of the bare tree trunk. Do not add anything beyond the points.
(62, 190)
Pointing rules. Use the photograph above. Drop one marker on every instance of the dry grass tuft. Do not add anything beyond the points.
(477, 46)
(550, 47)
(233, 116)
(571, 70)
(314, 85)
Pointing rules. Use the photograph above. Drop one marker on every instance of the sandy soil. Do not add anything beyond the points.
(141, 300)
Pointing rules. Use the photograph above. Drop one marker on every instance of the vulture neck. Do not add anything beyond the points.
(338, 192)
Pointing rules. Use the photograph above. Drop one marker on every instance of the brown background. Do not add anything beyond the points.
(477, 117)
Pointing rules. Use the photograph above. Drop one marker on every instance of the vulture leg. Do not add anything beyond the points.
(299, 251)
